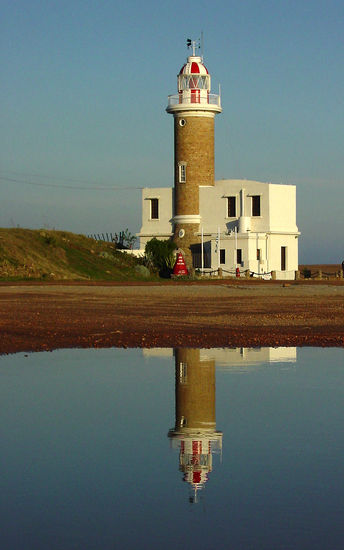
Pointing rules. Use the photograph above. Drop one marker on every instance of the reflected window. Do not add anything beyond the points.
(183, 373)
(183, 422)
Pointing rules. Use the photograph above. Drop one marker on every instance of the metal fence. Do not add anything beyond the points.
(319, 274)
(107, 237)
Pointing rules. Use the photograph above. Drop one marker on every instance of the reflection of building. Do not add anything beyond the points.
(195, 425)
(246, 358)
(195, 432)
(227, 358)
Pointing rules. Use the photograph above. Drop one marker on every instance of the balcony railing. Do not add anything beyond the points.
(178, 99)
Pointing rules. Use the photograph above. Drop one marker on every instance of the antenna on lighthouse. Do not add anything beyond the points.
(202, 44)
(194, 44)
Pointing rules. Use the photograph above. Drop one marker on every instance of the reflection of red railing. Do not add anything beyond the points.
(194, 97)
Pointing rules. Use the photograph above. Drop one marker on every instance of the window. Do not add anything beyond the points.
(256, 205)
(239, 256)
(154, 209)
(283, 258)
(182, 173)
(231, 207)
(222, 256)
(196, 250)
(259, 254)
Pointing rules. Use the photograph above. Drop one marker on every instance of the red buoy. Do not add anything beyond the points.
(180, 266)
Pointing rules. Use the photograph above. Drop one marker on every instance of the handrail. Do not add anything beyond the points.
(210, 99)
(234, 273)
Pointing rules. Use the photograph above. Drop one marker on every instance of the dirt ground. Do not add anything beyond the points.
(36, 317)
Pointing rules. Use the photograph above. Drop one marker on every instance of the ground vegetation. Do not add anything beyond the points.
(50, 255)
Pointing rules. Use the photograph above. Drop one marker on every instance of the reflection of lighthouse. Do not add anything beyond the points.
(195, 428)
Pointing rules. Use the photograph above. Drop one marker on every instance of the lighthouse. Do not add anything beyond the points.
(229, 226)
(193, 108)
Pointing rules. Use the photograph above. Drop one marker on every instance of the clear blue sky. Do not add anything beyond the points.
(84, 87)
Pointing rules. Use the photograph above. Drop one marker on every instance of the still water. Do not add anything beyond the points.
(105, 449)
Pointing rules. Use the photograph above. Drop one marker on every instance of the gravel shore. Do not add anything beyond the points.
(35, 317)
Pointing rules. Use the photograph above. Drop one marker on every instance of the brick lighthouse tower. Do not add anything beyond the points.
(194, 109)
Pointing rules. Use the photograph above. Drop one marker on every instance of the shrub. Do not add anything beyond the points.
(160, 255)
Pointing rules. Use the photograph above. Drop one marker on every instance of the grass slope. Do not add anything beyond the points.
(54, 255)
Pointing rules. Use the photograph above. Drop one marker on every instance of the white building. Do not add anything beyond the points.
(230, 224)
(246, 224)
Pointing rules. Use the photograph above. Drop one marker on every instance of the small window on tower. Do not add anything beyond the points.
(182, 173)
(231, 207)
(154, 209)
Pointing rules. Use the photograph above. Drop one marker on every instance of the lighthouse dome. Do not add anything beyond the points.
(194, 76)
(194, 65)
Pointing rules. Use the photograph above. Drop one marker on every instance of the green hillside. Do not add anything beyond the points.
(55, 255)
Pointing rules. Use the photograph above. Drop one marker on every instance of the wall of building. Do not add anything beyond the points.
(291, 243)
(160, 228)
(213, 204)
(270, 253)
(282, 208)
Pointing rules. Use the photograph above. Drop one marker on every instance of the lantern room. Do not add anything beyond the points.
(194, 85)
(194, 82)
